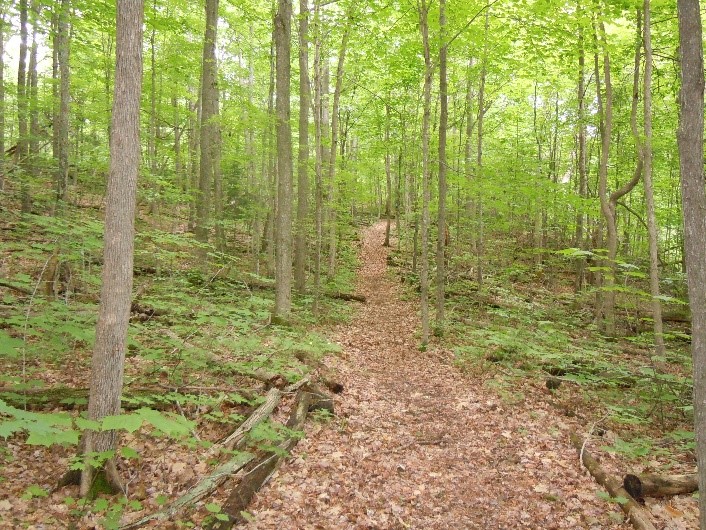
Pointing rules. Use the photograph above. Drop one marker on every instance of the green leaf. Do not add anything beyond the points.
(126, 422)
(34, 491)
(129, 453)
(213, 508)
(87, 425)
(172, 425)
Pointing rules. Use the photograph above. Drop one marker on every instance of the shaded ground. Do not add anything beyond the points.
(418, 445)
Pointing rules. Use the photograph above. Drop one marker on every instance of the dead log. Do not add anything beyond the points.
(132, 398)
(652, 485)
(262, 469)
(635, 513)
(222, 473)
(17, 288)
(348, 297)
(324, 374)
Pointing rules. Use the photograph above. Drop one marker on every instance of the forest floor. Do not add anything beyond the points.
(420, 445)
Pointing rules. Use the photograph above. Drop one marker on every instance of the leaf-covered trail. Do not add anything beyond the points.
(417, 445)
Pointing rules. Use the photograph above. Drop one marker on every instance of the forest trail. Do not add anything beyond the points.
(418, 445)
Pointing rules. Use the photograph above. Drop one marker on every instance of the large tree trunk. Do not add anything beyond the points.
(62, 117)
(443, 122)
(208, 128)
(649, 190)
(116, 291)
(691, 151)
(426, 191)
(300, 248)
(283, 247)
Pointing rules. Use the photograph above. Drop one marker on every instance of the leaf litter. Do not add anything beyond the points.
(415, 444)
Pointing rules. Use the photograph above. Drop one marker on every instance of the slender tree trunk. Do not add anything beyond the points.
(426, 177)
(153, 132)
(62, 118)
(581, 160)
(468, 148)
(283, 247)
(319, 148)
(649, 190)
(691, 152)
(480, 238)
(388, 176)
(3, 24)
(443, 124)
(22, 154)
(208, 127)
(116, 292)
(300, 248)
(605, 112)
(32, 89)
(333, 229)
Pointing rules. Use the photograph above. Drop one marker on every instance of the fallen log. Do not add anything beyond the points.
(348, 297)
(635, 513)
(17, 288)
(652, 485)
(324, 374)
(262, 469)
(132, 398)
(223, 472)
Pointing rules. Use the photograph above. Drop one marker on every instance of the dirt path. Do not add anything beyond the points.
(417, 445)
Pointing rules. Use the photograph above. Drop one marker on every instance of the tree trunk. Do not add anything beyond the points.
(114, 312)
(283, 247)
(480, 239)
(426, 191)
(22, 152)
(208, 127)
(691, 151)
(319, 148)
(333, 229)
(300, 247)
(3, 23)
(605, 113)
(581, 160)
(649, 190)
(32, 88)
(443, 123)
(62, 118)
(388, 177)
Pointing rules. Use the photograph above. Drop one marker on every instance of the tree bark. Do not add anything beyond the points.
(637, 514)
(581, 160)
(208, 127)
(388, 177)
(691, 151)
(283, 248)
(62, 118)
(300, 247)
(443, 124)
(3, 23)
(22, 153)
(333, 229)
(426, 192)
(649, 189)
(116, 291)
